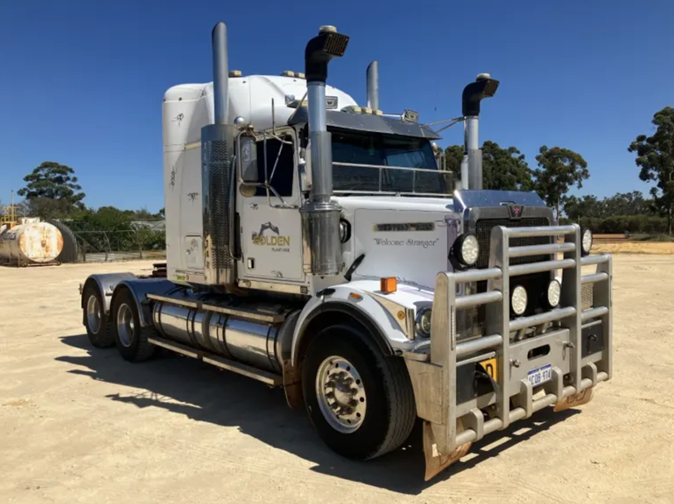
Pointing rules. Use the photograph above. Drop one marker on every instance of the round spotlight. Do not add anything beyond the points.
(467, 249)
(554, 293)
(518, 300)
(586, 242)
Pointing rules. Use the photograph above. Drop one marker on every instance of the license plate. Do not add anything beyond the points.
(540, 375)
(489, 366)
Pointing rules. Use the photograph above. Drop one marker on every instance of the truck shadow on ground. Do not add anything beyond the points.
(227, 399)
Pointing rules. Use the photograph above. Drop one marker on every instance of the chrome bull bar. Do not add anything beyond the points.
(451, 426)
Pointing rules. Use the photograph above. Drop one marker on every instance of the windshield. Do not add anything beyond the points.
(363, 148)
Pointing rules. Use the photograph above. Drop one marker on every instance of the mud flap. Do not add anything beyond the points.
(292, 384)
(583, 397)
(435, 462)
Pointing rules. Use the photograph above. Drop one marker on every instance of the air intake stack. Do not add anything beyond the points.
(216, 171)
(483, 87)
(320, 214)
(373, 85)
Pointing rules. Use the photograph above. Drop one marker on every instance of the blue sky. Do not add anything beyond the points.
(82, 81)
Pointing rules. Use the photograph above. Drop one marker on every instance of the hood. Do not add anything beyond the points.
(403, 237)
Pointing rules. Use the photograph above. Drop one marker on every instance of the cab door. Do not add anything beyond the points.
(271, 225)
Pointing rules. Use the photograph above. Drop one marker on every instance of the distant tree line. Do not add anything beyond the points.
(622, 213)
(52, 192)
(560, 169)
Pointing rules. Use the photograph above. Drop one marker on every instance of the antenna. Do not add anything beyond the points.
(273, 118)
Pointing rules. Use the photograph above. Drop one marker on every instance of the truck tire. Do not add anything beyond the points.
(130, 337)
(98, 326)
(360, 402)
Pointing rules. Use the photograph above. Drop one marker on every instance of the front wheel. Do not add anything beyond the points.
(131, 339)
(360, 401)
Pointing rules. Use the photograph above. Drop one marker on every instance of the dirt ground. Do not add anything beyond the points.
(634, 247)
(82, 425)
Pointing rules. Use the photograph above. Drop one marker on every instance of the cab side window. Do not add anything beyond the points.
(283, 176)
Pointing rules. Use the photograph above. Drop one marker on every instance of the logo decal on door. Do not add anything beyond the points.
(270, 236)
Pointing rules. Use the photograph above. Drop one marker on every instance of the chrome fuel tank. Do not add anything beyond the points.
(259, 344)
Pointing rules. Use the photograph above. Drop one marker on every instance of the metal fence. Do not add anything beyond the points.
(103, 246)
(83, 242)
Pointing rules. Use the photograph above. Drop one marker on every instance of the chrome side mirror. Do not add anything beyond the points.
(248, 173)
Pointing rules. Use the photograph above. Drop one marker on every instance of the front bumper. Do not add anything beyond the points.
(577, 345)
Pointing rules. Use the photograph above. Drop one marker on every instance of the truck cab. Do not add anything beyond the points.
(320, 246)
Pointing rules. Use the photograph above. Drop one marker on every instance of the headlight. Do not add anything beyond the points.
(554, 293)
(423, 322)
(518, 300)
(467, 249)
(586, 242)
(344, 231)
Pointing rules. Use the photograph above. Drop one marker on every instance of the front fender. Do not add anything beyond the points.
(376, 311)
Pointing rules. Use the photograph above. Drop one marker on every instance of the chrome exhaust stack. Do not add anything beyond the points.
(217, 148)
(220, 73)
(320, 214)
(483, 87)
(373, 85)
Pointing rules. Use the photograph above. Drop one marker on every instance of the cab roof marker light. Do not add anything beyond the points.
(331, 102)
(410, 116)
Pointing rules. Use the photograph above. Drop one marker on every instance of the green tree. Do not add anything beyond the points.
(453, 158)
(655, 157)
(505, 169)
(631, 203)
(145, 214)
(52, 190)
(111, 219)
(621, 204)
(47, 208)
(559, 170)
(586, 206)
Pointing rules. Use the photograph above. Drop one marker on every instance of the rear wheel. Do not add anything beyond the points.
(131, 339)
(98, 326)
(360, 401)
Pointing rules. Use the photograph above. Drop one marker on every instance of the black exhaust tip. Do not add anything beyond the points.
(483, 87)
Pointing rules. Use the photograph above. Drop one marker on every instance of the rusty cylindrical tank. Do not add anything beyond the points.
(30, 243)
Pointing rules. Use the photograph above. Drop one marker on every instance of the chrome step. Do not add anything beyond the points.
(230, 365)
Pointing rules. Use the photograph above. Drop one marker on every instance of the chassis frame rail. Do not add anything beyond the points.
(449, 426)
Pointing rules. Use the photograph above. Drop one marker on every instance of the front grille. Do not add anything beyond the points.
(483, 229)
(470, 322)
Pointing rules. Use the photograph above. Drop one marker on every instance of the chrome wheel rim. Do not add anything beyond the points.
(341, 394)
(93, 314)
(125, 325)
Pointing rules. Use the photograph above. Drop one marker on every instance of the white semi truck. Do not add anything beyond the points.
(318, 246)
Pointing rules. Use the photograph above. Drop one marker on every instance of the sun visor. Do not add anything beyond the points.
(368, 122)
